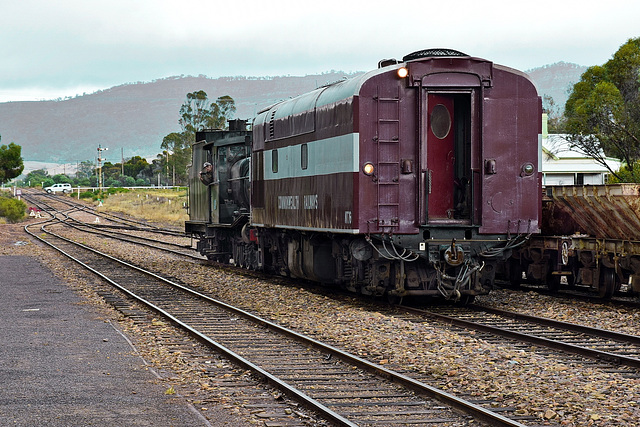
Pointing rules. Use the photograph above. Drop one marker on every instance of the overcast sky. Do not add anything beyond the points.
(51, 49)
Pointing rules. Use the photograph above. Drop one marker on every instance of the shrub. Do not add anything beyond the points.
(13, 210)
(129, 181)
(61, 179)
(625, 174)
(89, 195)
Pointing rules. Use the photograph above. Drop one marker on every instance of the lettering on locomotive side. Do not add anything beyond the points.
(309, 201)
(288, 202)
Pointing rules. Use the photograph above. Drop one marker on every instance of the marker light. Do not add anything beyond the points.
(368, 169)
(403, 72)
(528, 169)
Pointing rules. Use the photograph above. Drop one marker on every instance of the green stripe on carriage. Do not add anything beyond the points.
(327, 156)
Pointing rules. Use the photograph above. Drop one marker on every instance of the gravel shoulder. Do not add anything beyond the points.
(68, 359)
(556, 390)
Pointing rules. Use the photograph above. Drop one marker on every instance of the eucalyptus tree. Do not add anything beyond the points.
(177, 153)
(198, 112)
(603, 110)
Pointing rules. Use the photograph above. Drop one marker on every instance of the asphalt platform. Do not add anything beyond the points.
(61, 364)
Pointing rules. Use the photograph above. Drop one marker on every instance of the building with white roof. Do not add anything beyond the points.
(562, 165)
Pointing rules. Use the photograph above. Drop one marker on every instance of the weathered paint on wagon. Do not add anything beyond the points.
(604, 211)
(590, 238)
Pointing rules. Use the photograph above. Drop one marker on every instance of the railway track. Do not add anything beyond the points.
(46, 201)
(114, 226)
(138, 236)
(344, 388)
(599, 344)
(489, 400)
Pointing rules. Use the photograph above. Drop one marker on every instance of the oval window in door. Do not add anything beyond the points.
(440, 121)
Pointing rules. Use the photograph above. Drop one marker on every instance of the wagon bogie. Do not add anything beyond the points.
(580, 262)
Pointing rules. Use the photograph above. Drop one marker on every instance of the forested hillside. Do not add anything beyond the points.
(557, 80)
(133, 118)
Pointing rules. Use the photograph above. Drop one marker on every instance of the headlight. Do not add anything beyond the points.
(368, 169)
(403, 72)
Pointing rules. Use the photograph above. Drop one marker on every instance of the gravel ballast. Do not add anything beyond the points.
(557, 390)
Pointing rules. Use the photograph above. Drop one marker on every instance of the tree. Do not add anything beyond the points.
(36, 177)
(159, 169)
(603, 110)
(181, 158)
(555, 119)
(110, 170)
(61, 179)
(174, 141)
(11, 164)
(86, 169)
(178, 151)
(129, 181)
(198, 113)
(227, 108)
(134, 166)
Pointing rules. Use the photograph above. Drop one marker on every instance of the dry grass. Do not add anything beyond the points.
(160, 206)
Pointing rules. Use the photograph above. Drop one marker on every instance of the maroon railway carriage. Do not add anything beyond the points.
(416, 178)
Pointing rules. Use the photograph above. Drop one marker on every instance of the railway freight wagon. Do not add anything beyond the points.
(590, 241)
(416, 178)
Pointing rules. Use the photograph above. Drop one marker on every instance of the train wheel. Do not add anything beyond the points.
(607, 284)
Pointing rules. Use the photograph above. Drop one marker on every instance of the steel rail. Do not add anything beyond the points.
(532, 339)
(283, 386)
(96, 230)
(107, 215)
(140, 240)
(478, 412)
(573, 327)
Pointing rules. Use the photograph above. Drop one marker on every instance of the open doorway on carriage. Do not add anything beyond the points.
(448, 151)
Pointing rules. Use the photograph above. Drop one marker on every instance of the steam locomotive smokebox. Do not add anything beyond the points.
(603, 211)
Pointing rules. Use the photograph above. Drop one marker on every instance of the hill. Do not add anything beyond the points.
(556, 80)
(132, 119)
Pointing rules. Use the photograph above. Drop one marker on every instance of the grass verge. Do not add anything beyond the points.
(155, 205)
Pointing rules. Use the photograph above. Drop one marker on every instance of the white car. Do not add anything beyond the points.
(65, 188)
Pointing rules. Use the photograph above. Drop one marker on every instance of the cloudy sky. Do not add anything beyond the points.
(51, 49)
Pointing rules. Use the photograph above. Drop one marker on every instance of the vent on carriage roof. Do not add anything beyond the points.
(426, 53)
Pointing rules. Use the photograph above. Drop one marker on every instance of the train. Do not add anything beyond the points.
(589, 242)
(419, 178)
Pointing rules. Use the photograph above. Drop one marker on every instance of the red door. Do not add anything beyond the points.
(440, 157)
